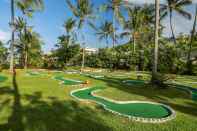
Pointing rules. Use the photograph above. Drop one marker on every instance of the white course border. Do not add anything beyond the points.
(133, 118)
(62, 81)
(93, 76)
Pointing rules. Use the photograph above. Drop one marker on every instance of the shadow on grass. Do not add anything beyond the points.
(51, 115)
(166, 96)
(15, 120)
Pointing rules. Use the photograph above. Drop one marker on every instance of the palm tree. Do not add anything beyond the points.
(83, 11)
(178, 7)
(106, 31)
(27, 7)
(69, 26)
(133, 25)
(28, 45)
(28, 38)
(115, 6)
(157, 18)
(189, 62)
(12, 39)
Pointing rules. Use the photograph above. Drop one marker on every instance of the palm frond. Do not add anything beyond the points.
(73, 8)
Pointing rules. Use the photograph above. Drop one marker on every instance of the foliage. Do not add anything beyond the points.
(106, 32)
(65, 51)
(28, 45)
(3, 56)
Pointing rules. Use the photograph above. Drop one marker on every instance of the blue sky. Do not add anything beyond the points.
(48, 23)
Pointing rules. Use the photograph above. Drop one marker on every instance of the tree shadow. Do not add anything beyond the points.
(15, 120)
(38, 114)
(62, 116)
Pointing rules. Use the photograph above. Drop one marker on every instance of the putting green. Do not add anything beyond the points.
(136, 109)
(67, 81)
(134, 82)
(3, 78)
(191, 90)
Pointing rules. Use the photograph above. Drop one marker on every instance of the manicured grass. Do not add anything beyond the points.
(40, 103)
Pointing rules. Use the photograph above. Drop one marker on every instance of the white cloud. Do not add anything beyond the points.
(4, 35)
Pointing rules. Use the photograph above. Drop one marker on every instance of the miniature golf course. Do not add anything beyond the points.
(134, 109)
(67, 81)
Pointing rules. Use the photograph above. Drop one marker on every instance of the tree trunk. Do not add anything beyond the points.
(189, 62)
(154, 70)
(171, 26)
(114, 35)
(12, 39)
(134, 43)
(83, 58)
(26, 59)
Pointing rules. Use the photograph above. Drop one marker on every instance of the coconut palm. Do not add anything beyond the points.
(178, 7)
(106, 32)
(83, 11)
(138, 18)
(69, 25)
(115, 6)
(27, 7)
(28, 46)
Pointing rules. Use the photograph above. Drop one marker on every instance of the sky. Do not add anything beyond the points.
(49, 22)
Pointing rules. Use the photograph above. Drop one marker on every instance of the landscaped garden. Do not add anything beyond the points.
(98, 65)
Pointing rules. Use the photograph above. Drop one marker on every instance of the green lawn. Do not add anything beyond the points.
(40, 103)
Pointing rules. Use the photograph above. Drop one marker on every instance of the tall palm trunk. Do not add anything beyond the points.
(26, 49)
(12, 39)
(189, 62)
(134, 42)
(26, 59)
(83, 58)
(171, 26)
(114, 33)
(154, 71)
